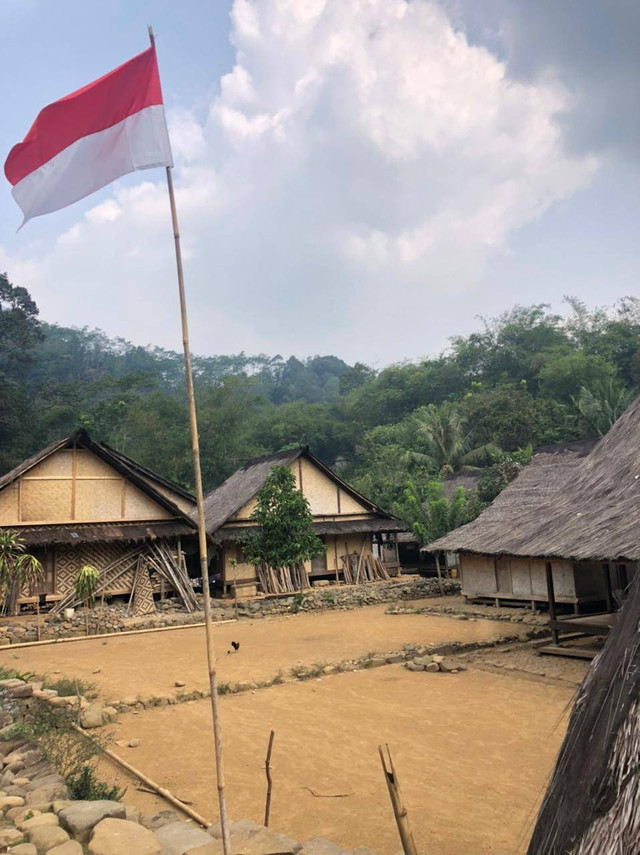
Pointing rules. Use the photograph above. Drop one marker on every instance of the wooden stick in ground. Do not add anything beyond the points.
(267, 769)
(399, 810)
(439, 572)
(202, 531)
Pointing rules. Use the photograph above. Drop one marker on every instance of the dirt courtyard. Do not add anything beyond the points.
(473, 750)
(151, 663)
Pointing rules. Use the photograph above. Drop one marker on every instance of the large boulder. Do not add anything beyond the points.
(80, 818)
(180, 837)
(117, 836)
(71, 847)
(45, 837)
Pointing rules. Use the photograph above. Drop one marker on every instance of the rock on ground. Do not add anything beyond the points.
(317, 846)
(45, 837)
(117, 836)
(71, 847)
(179, 837)
(79, 818)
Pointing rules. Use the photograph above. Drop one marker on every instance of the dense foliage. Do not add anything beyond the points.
(527, 378)
(284, 536)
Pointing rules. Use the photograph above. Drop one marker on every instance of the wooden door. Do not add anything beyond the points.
(47, 557)
(503, 576)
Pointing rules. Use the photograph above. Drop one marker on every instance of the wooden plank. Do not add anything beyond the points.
(74, 475)
(569, 652)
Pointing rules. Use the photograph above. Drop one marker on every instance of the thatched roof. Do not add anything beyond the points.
(224, 502)
(73, 533)
(566, 505)
(592, 806)
(499, 527)
(153, 485)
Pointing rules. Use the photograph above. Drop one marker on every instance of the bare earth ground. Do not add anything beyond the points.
(152, 662)
(473, 750)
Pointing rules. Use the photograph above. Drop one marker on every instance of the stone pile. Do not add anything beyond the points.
(434, 663)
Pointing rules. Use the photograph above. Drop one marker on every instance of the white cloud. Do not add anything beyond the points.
(361, 163)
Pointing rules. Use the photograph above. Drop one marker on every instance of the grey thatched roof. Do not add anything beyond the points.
(592, 806)
(224, 502)
(566, 505)
(499, 526)
(74, 533)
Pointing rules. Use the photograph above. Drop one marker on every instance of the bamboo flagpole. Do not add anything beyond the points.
(202, 532)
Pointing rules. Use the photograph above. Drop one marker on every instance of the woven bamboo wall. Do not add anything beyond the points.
(69, 560)
(75, 486)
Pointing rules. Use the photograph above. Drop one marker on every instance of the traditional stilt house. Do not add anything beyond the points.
(80, 502)
(359, 537)
(566, 530)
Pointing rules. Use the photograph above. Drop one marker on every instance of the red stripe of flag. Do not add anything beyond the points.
(122, 92)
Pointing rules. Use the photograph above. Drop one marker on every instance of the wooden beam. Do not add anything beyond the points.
(552, 601)
(74, 475)
(607, 586)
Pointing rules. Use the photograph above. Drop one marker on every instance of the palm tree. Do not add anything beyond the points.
(603, 404)
(448, 445)
(17, 570)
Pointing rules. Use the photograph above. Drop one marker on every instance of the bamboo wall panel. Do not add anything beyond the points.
(48, 501)
(88, 465)
(184, 504)
(98, 500)
(70, 559)
(138, 506)
(9, 505)
(57, 466)
(318, 490)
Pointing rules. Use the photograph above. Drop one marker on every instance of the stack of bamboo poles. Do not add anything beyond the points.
(157, 557)
(285, 580)
(361, 568)
(163, 561)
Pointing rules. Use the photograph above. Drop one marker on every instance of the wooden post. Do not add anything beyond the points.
(202, 531)
(607, 586)
(267, 769)
(399, 810)
(552, 601)
(439, 572)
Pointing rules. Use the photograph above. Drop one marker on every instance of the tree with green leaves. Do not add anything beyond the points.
(18, 569)
(449, 446)
(602, 405)
(284, 538)
(85, 588)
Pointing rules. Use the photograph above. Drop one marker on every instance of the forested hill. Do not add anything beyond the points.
(527, 378)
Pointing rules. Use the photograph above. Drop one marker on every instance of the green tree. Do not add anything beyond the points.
(18, 569)
(284, 538)
(602, 405)
(448, 445)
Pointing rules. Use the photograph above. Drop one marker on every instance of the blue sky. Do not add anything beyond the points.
(360, 179)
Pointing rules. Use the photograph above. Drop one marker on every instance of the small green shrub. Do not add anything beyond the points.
(86, 786)
(278, 679)
(225, 688)
(66, 687)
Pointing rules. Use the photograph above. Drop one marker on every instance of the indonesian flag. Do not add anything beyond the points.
(82, 142)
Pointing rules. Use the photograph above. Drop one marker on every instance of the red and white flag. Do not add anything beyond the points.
(82, 142)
